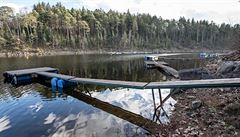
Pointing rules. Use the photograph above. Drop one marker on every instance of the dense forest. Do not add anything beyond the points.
(55, 26)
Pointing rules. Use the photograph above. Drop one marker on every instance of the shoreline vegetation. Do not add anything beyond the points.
(53, 27)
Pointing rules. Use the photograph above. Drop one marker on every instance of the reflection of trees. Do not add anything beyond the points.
(123, 67)
(47, 93)
(185, 63)
(93, 66)
(132, 70)
(11, 92)
(8, 91)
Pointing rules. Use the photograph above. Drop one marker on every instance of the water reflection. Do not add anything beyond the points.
(119, 67)
(94, 124)
(33, 110)
(117, 110)
(4, 123)
(32, 114)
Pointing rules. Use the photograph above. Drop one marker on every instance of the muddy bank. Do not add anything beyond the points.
(210, 112)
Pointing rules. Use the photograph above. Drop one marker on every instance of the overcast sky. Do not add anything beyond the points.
(219, 11)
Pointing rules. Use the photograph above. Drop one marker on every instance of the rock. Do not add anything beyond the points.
(178, 132)
(187, 130)
(233, 108)
(182, 123)
(233, 119)
(196, 104)
(175, 135)
(194, 74)
(189, 114)
(186, 108)
(233, 56)
(212, 67)
(191, 97)
(178, 91)
(231, 128)
(228, 69)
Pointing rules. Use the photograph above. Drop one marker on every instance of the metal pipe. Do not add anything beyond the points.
(160, 95)
(154, 105)
(153, 99)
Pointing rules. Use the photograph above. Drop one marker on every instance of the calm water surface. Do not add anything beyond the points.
(33, 110)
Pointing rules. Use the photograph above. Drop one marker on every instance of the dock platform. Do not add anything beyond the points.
(25, 76)
(60, 81)
(100, 82)
(205, 83)
(29, 71)
(163, 67)
(54, 75)
(17, 77)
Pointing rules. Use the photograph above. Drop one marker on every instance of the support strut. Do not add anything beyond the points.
(159, 108)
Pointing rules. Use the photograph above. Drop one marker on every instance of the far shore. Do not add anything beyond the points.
(55, 52)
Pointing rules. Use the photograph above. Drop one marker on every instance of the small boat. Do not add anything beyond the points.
(149, 61)
(208, 55)
(151, 58)
(203, 55)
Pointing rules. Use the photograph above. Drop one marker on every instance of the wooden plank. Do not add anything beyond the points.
(208, 83)
(29, 71)
(162, 67)
(168, 70)
(154, 62)
(55, 75)
(113, 83)
(103, 82)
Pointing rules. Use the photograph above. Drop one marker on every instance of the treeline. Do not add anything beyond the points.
(58, 27)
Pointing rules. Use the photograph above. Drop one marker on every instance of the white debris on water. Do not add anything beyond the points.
(36, 107)
(51, 117)
(138, 101)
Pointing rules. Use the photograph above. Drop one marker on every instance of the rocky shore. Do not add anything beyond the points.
(28, 51)
(210, 112)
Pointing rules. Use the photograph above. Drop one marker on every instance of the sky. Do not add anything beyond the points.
(219, 11)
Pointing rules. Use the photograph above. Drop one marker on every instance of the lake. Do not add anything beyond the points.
(33, 110)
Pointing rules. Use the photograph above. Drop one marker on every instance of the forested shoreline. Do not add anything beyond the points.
(54, 26)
